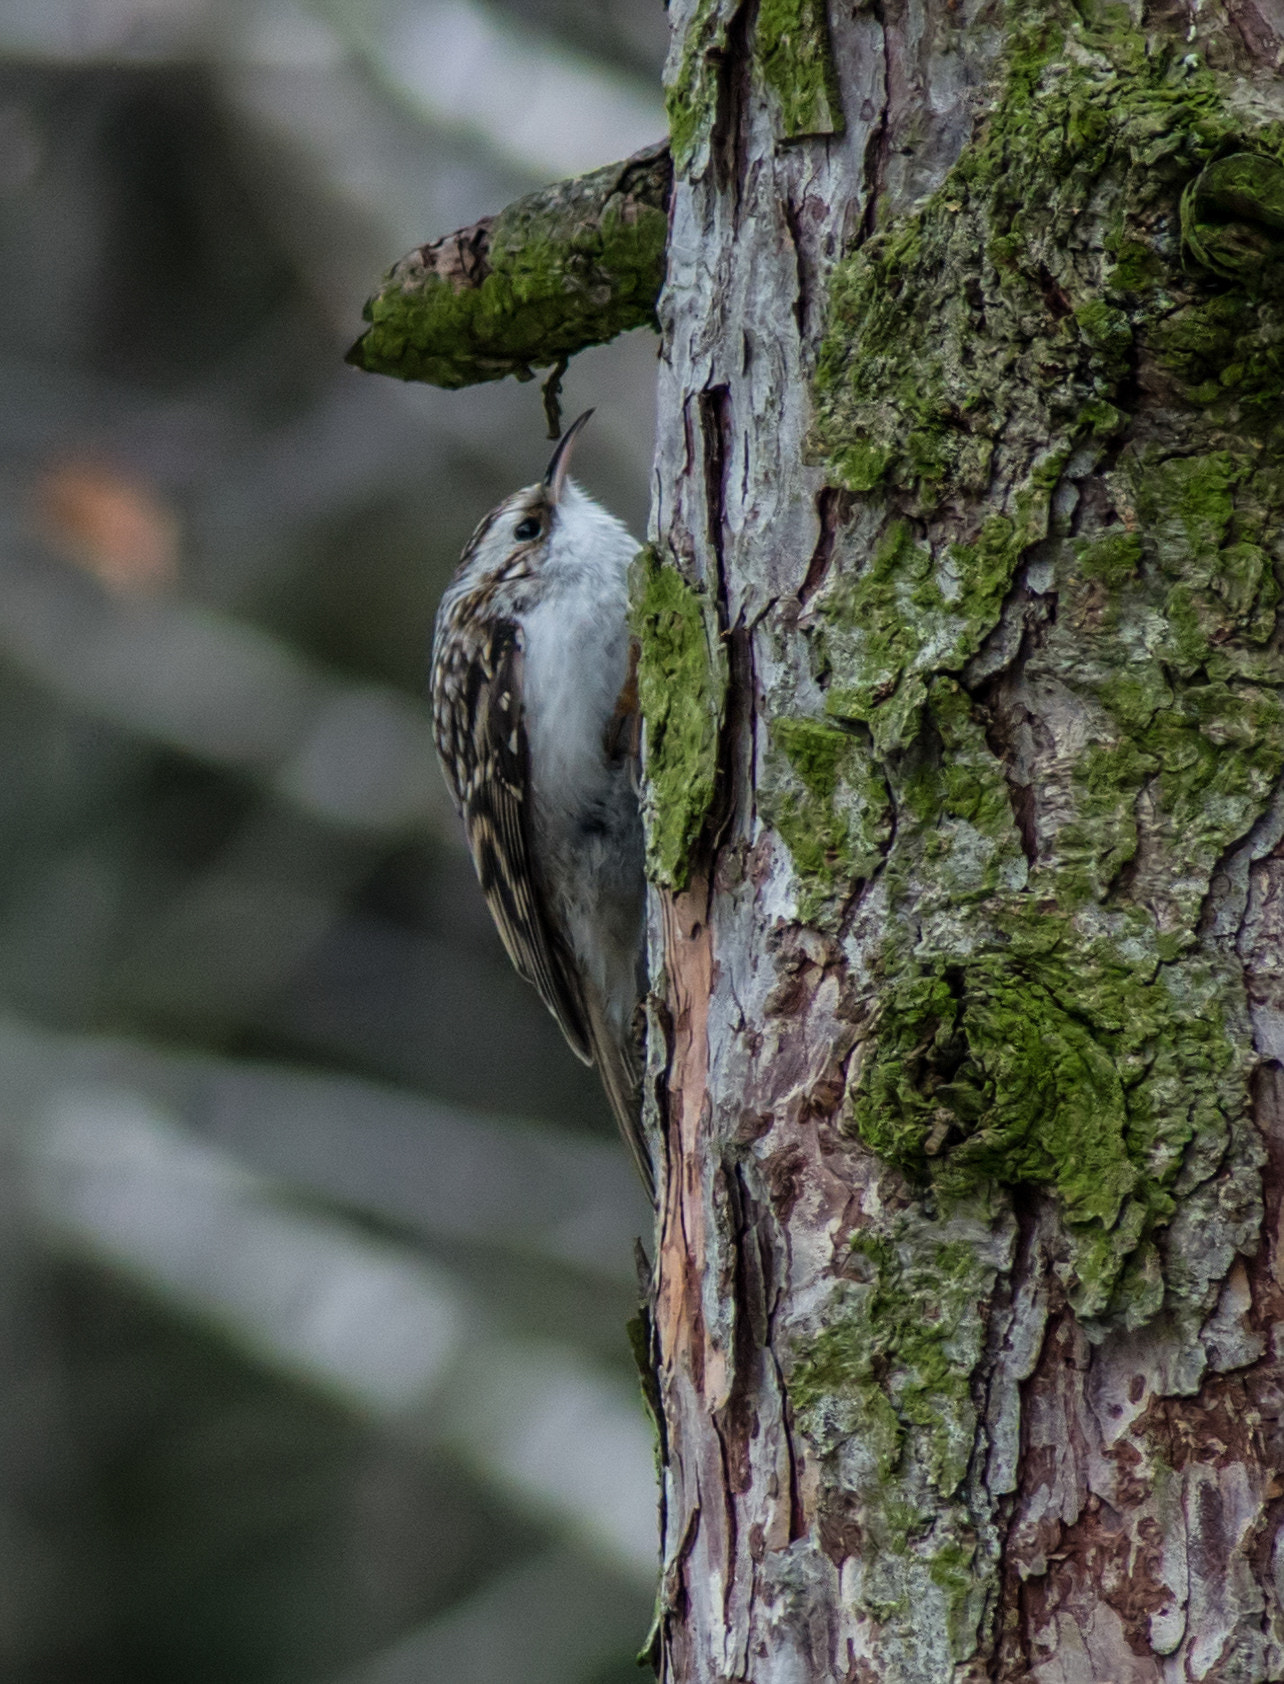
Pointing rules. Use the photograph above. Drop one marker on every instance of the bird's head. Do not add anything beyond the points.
(517, 535)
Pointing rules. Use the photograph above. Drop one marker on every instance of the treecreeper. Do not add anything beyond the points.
(535, 715)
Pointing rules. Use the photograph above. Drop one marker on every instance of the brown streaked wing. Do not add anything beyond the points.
(497, 819)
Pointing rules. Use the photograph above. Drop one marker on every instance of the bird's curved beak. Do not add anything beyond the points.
(555, 478)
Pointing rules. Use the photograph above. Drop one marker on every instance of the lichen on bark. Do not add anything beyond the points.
(820, 788)
(692, 80)
(998, 318)
(885, 1393)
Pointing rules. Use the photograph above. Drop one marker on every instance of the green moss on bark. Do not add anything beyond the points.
(912, 612)
(792, 51)
(793, 48)
(986, 319)
(989, 1071)
(823, 792)
(1232, 216)
(1060, 630)
(572, 265)
(901, 1372)
(887, 1388)
(1048, 1013)
(682, 681)
(691, 94)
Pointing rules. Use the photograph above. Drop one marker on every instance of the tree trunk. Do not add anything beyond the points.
(962, 673)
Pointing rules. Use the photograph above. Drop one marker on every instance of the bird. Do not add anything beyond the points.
(535, 717)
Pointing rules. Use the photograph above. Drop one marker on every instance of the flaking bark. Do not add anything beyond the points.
(570, 266)
(968, 1023)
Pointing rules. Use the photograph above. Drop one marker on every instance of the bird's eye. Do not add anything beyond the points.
(528, 528)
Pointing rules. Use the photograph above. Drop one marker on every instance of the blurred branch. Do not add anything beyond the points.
(515, 1189)
(228, 693)
(529, 1624)
(369, 1321)
(550, 108)
(570, 266)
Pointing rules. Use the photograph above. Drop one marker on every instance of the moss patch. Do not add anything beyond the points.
(792, 47)
(572, 265)
(1232, 216)
(887, 1386)
(1047, 1013)
(821, 789)
(1168, 631)
(960, 848)
(980, 1075)
(900, 1372)
(992, 318)
(682, 681)
(691, 95)
(911, 612)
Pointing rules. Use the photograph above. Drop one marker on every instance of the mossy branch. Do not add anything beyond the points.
(561, 269)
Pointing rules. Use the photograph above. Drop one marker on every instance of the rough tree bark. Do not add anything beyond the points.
(968, 976)
(963, 678)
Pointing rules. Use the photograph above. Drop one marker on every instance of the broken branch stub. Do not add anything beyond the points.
(570, 266)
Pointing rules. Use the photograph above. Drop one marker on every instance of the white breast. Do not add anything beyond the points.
(575, 659)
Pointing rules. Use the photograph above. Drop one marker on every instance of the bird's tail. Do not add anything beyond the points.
(619, 1063)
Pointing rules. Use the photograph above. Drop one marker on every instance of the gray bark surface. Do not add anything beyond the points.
(930, 1413)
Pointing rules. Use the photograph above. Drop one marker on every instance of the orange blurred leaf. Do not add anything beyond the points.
(112, 525)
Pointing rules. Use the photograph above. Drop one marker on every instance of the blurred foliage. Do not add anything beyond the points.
(317, 1369)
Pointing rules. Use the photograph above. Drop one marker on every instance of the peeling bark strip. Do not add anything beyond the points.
(967, 1051)
(567, 267)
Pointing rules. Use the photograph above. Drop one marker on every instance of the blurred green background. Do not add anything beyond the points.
(317, 1247)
